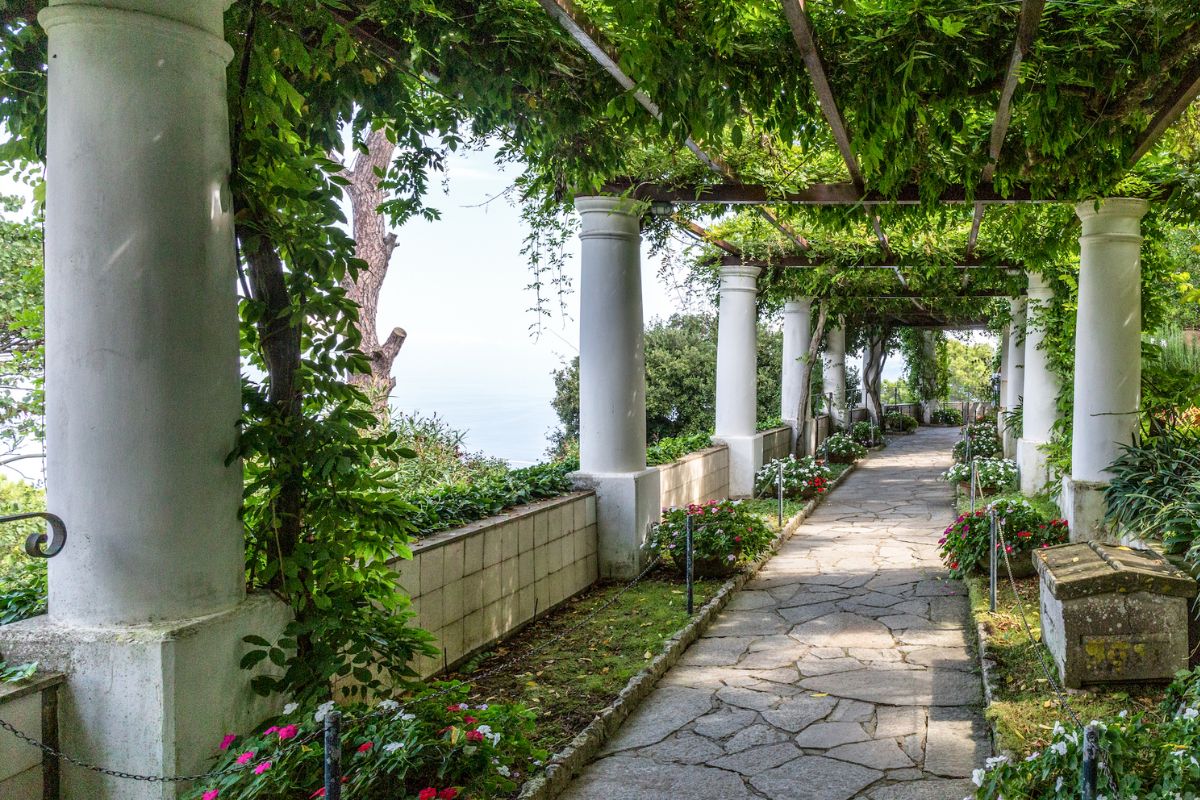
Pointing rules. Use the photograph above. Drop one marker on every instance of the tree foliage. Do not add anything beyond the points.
(22, 326)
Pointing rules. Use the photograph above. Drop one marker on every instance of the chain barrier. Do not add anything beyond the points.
(1051, 679)
(344, 721)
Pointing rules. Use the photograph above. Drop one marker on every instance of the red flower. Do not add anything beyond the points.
(469, 720)
(737, 538)
(448, 793)
(474, 736)
(318, 793)
(365, 746)
(953, 565)
(428, 793)
(1024, 534)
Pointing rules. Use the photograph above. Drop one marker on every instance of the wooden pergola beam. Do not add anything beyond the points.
(806, 43)
(914, 295)
(702, 234)
(810, 262)
(1171, 107)
(818, 194)
(1027, 24)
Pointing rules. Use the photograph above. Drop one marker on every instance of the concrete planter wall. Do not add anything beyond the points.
(695, 478)
(472, 586)
(32, 707)
(777, 443)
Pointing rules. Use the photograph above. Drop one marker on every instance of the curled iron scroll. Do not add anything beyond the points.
(34, 542)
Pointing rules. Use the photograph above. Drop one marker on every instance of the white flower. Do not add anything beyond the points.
(486, 730)
(1058, 729)
(388, 705)
(290, 708)
(482, 706)
(1058, 784)
(1124, 713)
(392, 747)
(505, 771)
(1191, 713)
(977, 777)
(1060, 748)
(323, 711)
(994, 761)
(1033, 756)
(406, 717)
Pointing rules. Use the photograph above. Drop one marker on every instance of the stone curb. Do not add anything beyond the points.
(564, 765)
(987, 675)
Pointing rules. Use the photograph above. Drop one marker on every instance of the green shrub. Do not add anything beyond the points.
(723, 534)
(947, 416)
(841, 449)
(1148, 754)
(17, 498)
(991, 474)
(1155, 489)
(866, 433)
(434, 741)
(448, 507)
(673, 448)
(898, 421)
(965, 542)
(984, 439)
(441, 458)
(802, 477)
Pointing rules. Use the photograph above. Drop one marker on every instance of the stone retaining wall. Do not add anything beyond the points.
(777, 443)
(695, 478)
(473, 585)
(31, 707)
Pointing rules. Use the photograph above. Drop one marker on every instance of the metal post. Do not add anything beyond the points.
(1091, 756)
(780, 492)
(688, 544)
(993, 561)
(333, 756)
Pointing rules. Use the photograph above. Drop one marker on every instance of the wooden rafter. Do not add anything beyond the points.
(1027, 24)
(1171, 106)
(806, 43)
(818, 194)
(811, 262)
(701, 234)
(589, 37)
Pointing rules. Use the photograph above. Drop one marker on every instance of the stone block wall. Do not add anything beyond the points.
(473, 585)
(32, 708)
(777, 443)
(695, 478)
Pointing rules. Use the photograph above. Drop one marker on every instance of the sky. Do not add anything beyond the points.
(458, 287)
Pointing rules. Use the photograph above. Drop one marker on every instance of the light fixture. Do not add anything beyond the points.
(661, 208)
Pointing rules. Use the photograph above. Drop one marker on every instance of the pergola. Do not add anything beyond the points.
(148, 604)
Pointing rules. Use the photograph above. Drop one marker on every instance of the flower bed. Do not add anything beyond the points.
(898, 421)
(802, 477)
(841, 449)
(867, 434)
(965, 542)
(985, 442)
(991, 474)
(724, 535)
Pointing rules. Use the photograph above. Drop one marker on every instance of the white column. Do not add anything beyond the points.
(834, 372)
(737, 376)
(1005, 369)
(612, 384)
(1015, 386)
(142, 395)
(797, 336)
(1108, 366)
(1040, 403)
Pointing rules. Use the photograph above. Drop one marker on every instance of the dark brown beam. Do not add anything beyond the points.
(1171, 106)
(912, 295)
(806, 43)
(819, 194)
(706, 236)
(1027, 24)
(809, 262)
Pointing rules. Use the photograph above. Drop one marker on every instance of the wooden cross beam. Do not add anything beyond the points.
(1027, 23)
(810, 262)
(818, 194)
(1171, 106)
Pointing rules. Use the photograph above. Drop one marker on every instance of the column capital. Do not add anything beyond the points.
(1039, 287)
(202, 18)
(739, 278)
(797, 305)
(1112, 216)
(608, 216)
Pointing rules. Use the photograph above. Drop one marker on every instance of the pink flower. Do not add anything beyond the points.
(261, 768)
(469, 720)
(287, 732)
(226, 741)
(428, 793)
(246, 757)
(270, 730)
(318, 793)
(211, 794)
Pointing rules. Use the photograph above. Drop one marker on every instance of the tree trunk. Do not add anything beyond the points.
(374, 244)
(873, 375)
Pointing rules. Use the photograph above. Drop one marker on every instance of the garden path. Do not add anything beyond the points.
(841, 670)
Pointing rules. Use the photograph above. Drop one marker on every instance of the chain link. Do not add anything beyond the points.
(299, 741)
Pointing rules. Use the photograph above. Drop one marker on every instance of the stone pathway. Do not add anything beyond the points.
(842, 670)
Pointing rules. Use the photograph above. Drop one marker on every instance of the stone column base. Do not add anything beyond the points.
(1082, 504)
(628, 505)
(1031, 461)
(745, 459)
(149, 699)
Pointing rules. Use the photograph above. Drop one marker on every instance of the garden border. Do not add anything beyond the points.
(566, 764)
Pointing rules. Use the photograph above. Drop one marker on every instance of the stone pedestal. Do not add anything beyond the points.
(1111, 614)
(745, 460)
(627, 508)
(149, 699)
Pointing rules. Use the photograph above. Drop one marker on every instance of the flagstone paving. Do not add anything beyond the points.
(842, 670)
